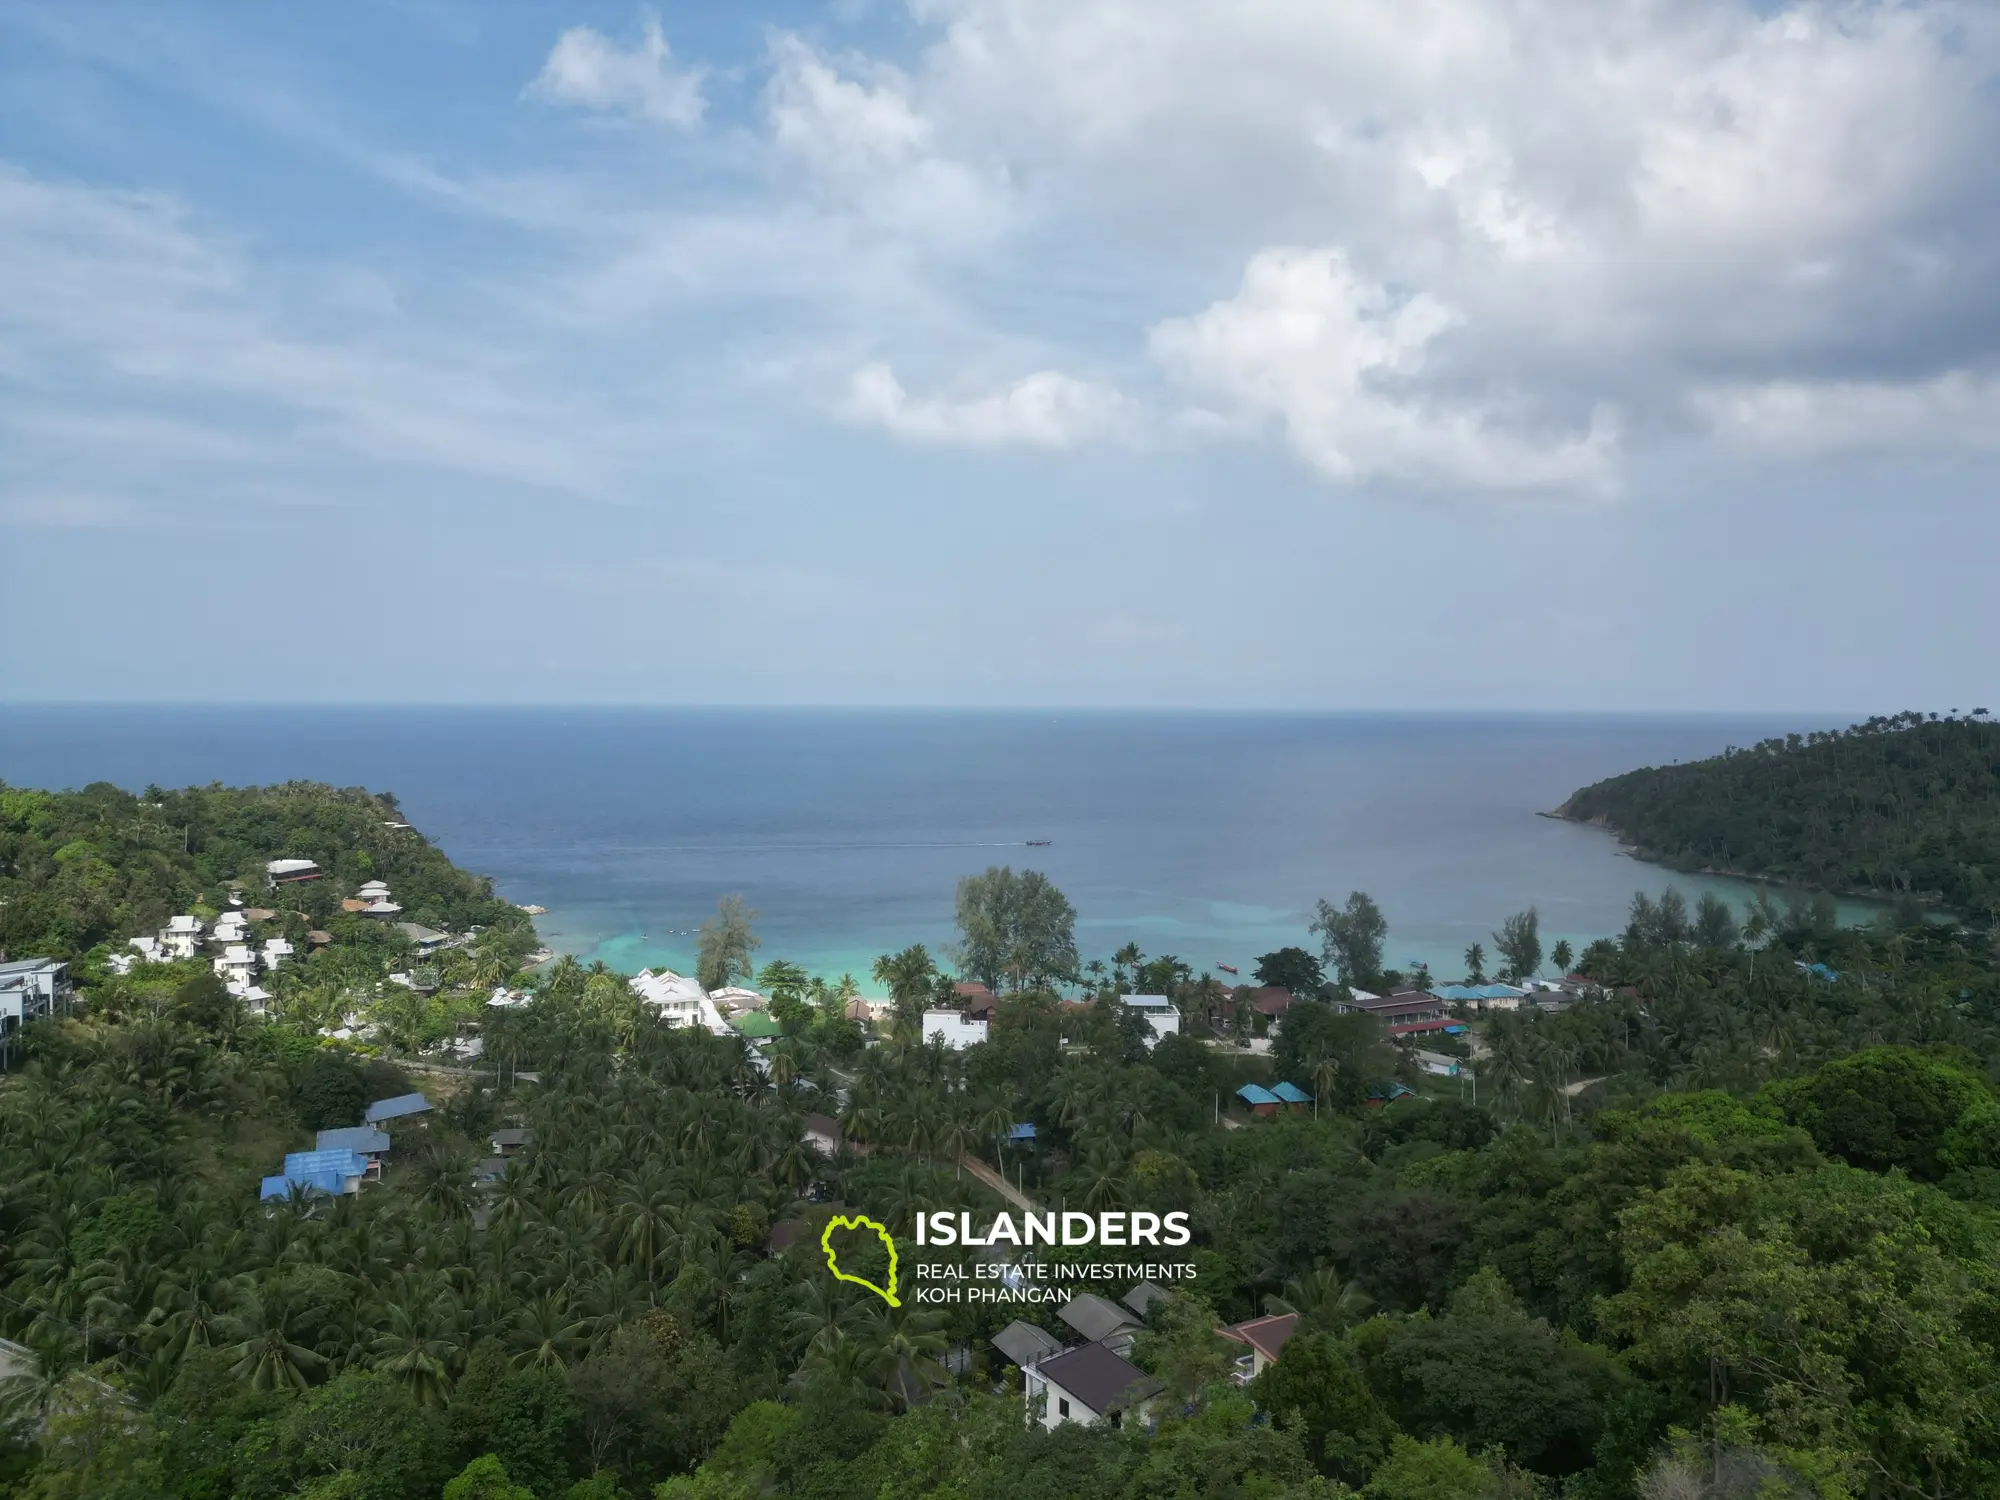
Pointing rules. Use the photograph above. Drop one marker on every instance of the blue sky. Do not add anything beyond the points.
(1122, 352)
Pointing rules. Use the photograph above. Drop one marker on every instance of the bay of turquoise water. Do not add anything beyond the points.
(1208, 836)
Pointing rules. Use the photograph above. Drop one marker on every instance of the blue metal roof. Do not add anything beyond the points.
(1256, 1093)
(364, 1139)
(331, 1183)
(397, 1108)
(1478, 992)
(309, 1163)
(1022, 1132)
(1291, 1093)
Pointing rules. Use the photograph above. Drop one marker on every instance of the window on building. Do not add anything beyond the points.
(1062, 1408)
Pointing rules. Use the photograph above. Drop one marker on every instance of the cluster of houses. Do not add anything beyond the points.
(1088, 1377)
(238, 964)
(341, 1160)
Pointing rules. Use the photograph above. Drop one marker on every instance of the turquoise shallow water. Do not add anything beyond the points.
(1203, 835)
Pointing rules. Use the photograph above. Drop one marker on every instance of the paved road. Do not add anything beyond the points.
(995, 1181)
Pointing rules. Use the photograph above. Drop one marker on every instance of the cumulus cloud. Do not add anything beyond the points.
(1797, 417)
(1663, 208)
(588, 69)
(1045, 410)
(1338, 361)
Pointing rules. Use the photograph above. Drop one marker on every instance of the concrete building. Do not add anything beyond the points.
(954, 1029)
(1159, 1013)
(1087, 1385)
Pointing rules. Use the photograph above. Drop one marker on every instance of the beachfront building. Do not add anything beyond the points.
(1403, 1008)
(1482, 997)
(506, 999)
(953, 1029)
(676, 1000)
(734, 997)
(288, 871)
(1159, 1013)
(1087, 1385)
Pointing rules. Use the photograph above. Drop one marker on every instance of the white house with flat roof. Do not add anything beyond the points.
(1159, 1013)
(954, 1029)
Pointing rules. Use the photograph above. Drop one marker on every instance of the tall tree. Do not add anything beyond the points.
(1016, 928)
(1475, 964)
(909, 977)
(1351, 938)
(1519, 942)
(726, 944)
(1291, 969)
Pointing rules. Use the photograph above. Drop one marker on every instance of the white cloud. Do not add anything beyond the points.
(1799, 417)
(588, 69)
(839, 122)
(1338, 362)
(1045, 410)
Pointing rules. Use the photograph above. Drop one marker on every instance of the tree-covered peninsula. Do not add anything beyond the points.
(1905, 806)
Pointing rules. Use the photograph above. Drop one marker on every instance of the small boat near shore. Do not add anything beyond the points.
(1040, 843)
(1227, 968)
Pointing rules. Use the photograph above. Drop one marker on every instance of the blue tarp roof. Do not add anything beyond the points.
(1291, 1093)
(344, 1163)
(1021, 1132)
(397, 1108)
(1256, 1093)
(365, 1139)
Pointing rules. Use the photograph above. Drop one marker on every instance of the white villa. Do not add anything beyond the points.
(371, 891)
(237, 966)
(1159, 1013)
(953, 1029)
(506, 999)
(678, 1001)
(180, 937)
(382, 907)
(276, 951)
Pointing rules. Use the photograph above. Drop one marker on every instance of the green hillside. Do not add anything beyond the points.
(84, 867)
(1894, 807)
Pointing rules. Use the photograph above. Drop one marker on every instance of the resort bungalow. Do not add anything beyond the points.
(276, 951)
(287, 871)
(1026, 1345)
(1086, 1385)
(823, 1134)
(237, 966)
(1441, 1026)
(1262, 1338)
(1403, 1008)
(1159, 1013)
(148, 950)
(373, 890)
(1099, 1321)
(503, 998)
(1482, 996)
(181, 935)
(382, 908)
(678, 1001)
(1258, 1099)
(1291, 1095)
(953, 1029)
(364, 1141)
(402, 1107)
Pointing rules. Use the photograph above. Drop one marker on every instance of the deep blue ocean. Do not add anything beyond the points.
(1208, 836)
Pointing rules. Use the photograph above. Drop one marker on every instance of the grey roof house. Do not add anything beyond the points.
(1099, 1321)
(1087, 1385)
(1025, 1344)
(399, 1108)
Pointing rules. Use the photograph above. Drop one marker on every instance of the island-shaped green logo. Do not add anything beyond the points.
(860, 1221)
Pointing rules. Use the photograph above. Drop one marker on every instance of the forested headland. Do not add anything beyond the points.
(1899, 807)
(1724, 1225)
